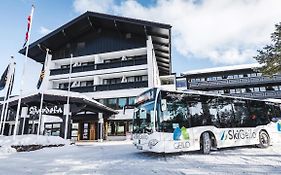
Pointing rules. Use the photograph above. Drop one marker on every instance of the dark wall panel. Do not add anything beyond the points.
(99, 41)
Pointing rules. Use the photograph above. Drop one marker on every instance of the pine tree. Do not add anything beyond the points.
(270, 55)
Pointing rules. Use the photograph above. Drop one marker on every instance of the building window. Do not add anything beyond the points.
(248, 90)
(275, 88)
(131, 100)
(256, 89)
(118, 128)
(64, 66)
(181, 83)
(253, 74)
(122, 102)
(226, 91)
(230, 77)
(219, 78)
(84, 64)
(52, 129)
(262, 89)
(89, 83)
(138, 78)
(112, 103)
(130, 79)
(83, 84)
(144, 78)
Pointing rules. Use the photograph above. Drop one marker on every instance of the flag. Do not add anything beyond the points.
(4, 78)
(42, 75)
(10, 88)
(27, 31)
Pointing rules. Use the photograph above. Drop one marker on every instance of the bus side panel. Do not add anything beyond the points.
(274, 129)
(231, 137)
(161, 142)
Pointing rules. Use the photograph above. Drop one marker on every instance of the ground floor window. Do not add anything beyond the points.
(74, 131)
(53, 129)
(119, 128)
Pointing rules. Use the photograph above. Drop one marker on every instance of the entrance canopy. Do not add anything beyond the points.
(55, 99)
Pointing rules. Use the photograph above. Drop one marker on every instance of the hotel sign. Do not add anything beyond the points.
(46, 110)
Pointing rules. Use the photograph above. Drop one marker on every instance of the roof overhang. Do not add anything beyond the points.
(59, 97)
(90, 21)
(221, 69)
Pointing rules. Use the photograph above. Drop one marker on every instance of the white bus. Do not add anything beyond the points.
(174, 121)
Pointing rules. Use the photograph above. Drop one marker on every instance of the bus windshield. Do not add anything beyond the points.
(143, 118)
(144, 112)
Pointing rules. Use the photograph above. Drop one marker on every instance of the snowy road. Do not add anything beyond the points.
(122, 158)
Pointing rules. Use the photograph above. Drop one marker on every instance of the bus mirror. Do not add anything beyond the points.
(164, 105)
(124, 110)
(274, 119)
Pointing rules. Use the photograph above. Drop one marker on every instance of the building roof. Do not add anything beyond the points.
(160, 33)
(59, 97)
(222, 69)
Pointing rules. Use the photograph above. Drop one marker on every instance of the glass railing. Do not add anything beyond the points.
(259, 95)
(140, 60)
(108, 87)
(235, 82)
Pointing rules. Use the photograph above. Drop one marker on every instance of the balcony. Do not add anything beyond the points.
(124, 63)
(259, 95)
(239, 82)
(108, 87)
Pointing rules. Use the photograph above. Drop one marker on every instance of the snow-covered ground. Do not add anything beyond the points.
(122, 158)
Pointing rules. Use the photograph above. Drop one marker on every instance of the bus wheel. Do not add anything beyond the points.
(205, 143)
(264, 140)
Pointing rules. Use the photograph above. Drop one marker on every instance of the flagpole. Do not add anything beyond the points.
(42, 95)
(68, 98)
(9, 78)
(8, 97)
(23, 74)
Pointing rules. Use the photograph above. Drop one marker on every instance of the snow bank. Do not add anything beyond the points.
(7, 142)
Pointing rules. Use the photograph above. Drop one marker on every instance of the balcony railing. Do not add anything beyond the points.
(124, 63)
(234, 82)
(108, 87)
(259, 95)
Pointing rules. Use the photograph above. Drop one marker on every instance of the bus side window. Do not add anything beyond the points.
(257, 114)
(241, 113)
(225, 112)
(270, 111)
(196, 113)
(278, 112)
(210, 111)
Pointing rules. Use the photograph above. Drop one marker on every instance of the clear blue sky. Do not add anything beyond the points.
(51, 14)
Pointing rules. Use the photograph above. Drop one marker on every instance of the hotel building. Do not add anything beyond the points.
(113, 60)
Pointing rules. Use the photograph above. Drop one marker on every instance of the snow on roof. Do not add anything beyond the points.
(221, 69)
(63, 93)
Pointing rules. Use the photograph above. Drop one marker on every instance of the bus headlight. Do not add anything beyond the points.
(152, 143)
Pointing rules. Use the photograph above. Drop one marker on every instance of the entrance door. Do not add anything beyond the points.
(92, 131)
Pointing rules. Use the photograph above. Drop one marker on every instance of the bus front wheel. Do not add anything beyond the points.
(264, 139)
(205, 143)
